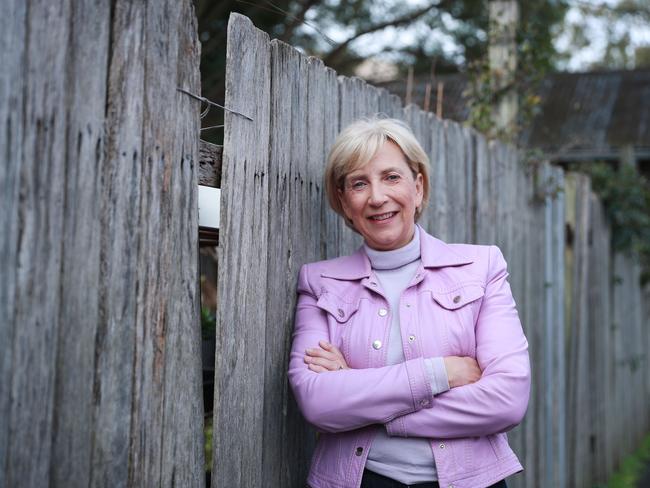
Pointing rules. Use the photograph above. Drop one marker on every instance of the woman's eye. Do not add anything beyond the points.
(392, 177)
(357, 185)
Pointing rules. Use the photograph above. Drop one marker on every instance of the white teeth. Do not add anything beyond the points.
(383, 216)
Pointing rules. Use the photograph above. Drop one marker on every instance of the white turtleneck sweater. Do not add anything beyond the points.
(407, 460)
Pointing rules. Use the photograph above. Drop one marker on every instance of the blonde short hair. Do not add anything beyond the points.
(356, 145)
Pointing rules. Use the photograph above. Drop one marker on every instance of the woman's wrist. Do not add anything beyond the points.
(437, 374)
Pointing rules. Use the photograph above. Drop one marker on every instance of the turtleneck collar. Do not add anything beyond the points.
(395, 258)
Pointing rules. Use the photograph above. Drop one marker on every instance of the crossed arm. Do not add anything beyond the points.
(461, 370)
(487, 395)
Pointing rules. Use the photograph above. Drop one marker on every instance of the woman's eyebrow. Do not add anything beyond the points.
(356, 174)
(394, 169)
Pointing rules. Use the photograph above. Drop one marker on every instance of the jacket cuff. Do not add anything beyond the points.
(395, 428)
(437, 374)
(420, 384)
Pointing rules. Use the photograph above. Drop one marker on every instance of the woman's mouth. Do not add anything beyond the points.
(381, 217)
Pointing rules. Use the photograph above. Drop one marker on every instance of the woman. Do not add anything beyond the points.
(408, 355)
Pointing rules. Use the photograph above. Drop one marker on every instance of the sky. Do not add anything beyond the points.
(578, 59)
(581, 59)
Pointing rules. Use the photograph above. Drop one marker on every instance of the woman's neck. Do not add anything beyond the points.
(395, 258)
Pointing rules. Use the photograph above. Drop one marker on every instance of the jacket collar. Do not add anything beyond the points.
(434, 253)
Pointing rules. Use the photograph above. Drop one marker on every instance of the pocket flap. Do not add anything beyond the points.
(337, 307)
(458, 297)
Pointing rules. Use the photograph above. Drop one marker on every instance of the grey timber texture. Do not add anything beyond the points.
(100, 380)
(242, 313)
(210, 156)
(580, 302)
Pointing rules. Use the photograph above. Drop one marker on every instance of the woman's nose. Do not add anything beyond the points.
(377, 195)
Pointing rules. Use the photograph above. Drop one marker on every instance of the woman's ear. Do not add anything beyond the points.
(344, 204)
(419, 190)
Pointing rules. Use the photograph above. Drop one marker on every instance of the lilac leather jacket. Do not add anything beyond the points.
(458, 304)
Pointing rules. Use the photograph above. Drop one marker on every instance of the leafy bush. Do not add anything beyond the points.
(208, 323)
(632, 467)
(626, 197)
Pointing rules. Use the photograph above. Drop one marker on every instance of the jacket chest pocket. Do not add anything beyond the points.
(458, 309)
(341, 315)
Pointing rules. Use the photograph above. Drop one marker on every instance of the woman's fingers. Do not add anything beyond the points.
(330, 352)
(334, 350)
(325, 363)
(316, 368)
(330, 349)
(462, 370)
(321, 353)
(327, 357)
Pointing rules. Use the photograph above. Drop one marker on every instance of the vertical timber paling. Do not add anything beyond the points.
(100, 370)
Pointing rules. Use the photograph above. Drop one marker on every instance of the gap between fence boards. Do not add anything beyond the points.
(209, 175)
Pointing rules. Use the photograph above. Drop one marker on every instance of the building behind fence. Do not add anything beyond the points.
(580, 304)
(99, 341)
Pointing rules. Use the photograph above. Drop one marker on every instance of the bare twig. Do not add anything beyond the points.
(439, 97)
(405, 19)
(409, 86)
(298, 19)
(427, 96)
(274, 8)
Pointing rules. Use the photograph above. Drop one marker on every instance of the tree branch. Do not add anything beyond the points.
(405, 19)
(296, 20)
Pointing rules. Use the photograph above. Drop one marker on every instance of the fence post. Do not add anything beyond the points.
(99, 336)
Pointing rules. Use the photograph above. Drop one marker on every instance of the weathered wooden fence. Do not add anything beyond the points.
(99, 337)
(581, 305)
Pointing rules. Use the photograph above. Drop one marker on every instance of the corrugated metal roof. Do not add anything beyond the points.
(581, 115)
(595, 113)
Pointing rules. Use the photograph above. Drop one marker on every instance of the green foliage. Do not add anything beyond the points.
(626, 197)
(208, 323)
(536, 55)
(632, 467)
(207, 446)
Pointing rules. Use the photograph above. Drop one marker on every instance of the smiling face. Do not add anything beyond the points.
(380, 199)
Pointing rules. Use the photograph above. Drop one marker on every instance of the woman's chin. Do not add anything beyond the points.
(386, 241)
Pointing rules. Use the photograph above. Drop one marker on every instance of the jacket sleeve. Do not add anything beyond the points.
(498, 401)
(336, 401)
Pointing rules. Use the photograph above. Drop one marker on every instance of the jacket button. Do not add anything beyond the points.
(373, 283)
(442, 446)
(457, 299)
(411, 338)
(424, 402)
(359, 451)
(340, 312)
(376, 344)
(383, 312)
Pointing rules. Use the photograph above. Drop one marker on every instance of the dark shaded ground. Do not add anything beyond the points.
(644, 480)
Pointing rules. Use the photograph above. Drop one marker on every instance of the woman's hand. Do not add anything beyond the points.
(326, 358)
(461, 370)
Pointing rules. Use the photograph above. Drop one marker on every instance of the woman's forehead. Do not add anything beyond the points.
(389, 156)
